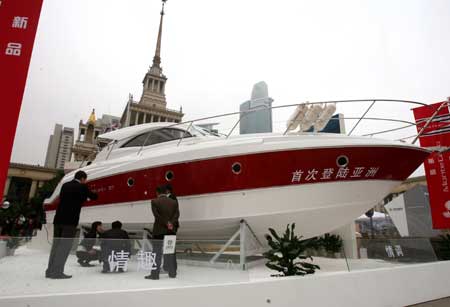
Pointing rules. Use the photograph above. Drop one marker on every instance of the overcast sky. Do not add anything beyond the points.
(92, 53)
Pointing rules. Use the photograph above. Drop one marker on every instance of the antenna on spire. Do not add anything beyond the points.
(157, 57)
(163, 3)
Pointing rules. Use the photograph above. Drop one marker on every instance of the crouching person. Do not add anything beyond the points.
(86, 251)
(116, 249)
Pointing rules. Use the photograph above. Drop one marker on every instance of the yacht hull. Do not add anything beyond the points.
(319, 189)
(315, 208)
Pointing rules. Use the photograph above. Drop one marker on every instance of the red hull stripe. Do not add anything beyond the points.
(262, 170)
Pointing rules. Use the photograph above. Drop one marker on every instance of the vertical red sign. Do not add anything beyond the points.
(437, 165)
(18, 25)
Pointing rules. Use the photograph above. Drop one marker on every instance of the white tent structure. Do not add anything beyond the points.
(376, 216)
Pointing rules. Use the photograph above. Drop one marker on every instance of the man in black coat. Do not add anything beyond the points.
(73, 194)
(116, 239)
(166, 213)
(169, 192)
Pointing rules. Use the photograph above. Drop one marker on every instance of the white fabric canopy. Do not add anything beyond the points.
(376, 215)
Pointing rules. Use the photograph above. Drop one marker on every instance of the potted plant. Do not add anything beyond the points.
(314, 247)
(332, 245)
(286, 251)
(444, 247)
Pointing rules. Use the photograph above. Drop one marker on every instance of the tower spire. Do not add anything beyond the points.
(157, 57)
(154, 81)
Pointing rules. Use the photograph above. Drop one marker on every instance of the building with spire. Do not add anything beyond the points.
(88, 142)
(152, 106)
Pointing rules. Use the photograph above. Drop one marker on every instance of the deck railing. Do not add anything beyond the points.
(359, 119)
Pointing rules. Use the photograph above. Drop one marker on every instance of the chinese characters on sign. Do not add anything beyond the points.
(169, 244)
(118, 261)
(12, 48)
(18, 25)
(394, 251)
(20, 22)
(146, 261)
(312, 175)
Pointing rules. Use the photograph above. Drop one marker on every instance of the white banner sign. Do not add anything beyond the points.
(169, 244)
(396, 210)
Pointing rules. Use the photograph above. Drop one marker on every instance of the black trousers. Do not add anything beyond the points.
(105, 253)
(63, 236)
(170, 260)
(86, 257)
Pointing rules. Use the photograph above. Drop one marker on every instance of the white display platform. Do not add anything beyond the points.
(371, 283)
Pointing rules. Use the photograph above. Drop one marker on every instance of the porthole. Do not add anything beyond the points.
(169, 175)
(236, 168)
(342, 161)
(130, 182)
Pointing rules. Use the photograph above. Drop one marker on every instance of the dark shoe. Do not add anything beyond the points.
(172, 275)
(105, 271)
(60, 276)
(86, 265)
(48, 275)
(151, 277)
(120, 270)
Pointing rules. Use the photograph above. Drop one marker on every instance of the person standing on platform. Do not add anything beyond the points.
(166, 213)
(169, 192)
(73, 194)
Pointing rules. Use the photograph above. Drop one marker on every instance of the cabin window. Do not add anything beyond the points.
(137, 141)
(157, 136)
(166, 135)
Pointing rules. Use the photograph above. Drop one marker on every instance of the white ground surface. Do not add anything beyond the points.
(23, 275)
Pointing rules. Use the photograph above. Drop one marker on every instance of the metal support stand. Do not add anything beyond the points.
(146, 243)
(244, 228)
(81, 235)
(242, 251)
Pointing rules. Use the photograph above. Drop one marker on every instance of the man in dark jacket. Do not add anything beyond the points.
(169, 192)
(73, 194)
(166, 213)
(114, 240)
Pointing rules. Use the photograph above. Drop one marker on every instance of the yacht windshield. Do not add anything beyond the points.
(157, 136)
(196, 130)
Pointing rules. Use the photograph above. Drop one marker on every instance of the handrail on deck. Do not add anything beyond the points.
(244, 113)
(359, 119)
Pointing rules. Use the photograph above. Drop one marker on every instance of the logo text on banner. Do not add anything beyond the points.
(437, 165)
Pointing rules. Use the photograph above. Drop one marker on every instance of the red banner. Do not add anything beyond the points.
(437, 131)
(18, 25)
(437, 165)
